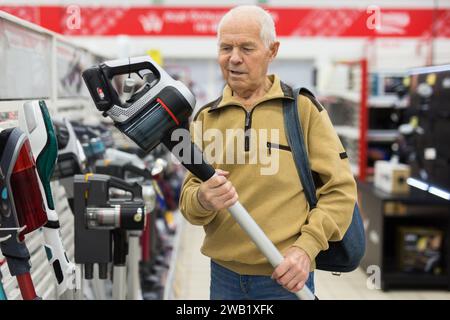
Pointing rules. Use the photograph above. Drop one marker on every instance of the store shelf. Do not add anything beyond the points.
(382, 101)
(382, 135)
(347, 95)
(347, 104)
(402, 104)
(347, 131)
(373, 101)
(402, 279)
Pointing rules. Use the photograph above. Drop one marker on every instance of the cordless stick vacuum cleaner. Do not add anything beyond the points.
(35, 121)
(22, 210)
(93, 145)
(150, 116)
(101, 222)
(71, 157)
(121, 170)
(116, 163)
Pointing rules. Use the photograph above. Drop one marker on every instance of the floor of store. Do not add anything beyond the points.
(191, 277)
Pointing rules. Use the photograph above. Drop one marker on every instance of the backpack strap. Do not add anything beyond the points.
(295, 137)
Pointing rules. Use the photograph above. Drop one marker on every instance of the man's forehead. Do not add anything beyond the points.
(240, 36)
(241, 41)
(240, 30)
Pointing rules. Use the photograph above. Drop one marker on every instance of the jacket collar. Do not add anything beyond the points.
(278, 90)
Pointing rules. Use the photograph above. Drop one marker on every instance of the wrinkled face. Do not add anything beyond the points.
(243, 57)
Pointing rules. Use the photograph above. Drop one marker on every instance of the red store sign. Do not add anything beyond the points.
(202, 21)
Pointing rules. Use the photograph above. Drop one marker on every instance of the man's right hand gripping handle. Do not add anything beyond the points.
(217, 192)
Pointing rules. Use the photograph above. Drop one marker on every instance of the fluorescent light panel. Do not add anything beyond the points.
(440, 193)
(417, 183)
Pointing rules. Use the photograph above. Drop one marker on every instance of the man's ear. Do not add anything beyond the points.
(274, 50)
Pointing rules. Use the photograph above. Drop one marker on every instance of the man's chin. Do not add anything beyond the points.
(236, 84)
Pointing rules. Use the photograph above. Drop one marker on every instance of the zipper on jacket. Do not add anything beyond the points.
(248, 124)
(271, 145)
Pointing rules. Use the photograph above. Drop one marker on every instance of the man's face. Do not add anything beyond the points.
(243, 57)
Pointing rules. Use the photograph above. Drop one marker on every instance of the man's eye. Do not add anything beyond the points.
(225, 48)
(247, 49)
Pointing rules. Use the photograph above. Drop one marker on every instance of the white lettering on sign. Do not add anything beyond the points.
(394, 22)
(151, 23)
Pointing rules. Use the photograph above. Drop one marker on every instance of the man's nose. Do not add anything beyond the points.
(235, 56)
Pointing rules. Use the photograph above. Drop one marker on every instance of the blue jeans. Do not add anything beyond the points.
(228, 285)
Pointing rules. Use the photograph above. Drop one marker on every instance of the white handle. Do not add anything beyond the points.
(263, 243)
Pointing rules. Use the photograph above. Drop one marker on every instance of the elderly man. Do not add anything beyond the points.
(252, 101)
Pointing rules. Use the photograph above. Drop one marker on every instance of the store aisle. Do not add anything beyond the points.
(191, 279)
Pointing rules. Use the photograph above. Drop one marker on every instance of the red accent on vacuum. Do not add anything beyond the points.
(168, 110)
(27, 195)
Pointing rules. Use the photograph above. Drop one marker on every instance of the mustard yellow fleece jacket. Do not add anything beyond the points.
(267, 181)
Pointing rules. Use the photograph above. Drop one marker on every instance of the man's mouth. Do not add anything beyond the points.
(236, 73)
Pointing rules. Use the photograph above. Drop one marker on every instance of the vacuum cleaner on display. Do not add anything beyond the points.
(91, 143)
(21, 210)
(102, 223)
(112, 168)
(150, 116)
(129, 172)
(35, 121)
(71, 157)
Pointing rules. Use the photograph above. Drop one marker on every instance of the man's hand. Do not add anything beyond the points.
(217, 192)
(293, 271)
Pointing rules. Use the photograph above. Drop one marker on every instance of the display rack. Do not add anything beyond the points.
(345, 98)
(40, 64)
(361, 105)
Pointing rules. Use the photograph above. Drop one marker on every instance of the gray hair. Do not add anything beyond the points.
(267, 25)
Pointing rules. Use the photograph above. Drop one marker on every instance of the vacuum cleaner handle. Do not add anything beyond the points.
(130, 65)
(98, 78)
(263, 243)
(135, 189)
(197, 163)
(205, 171)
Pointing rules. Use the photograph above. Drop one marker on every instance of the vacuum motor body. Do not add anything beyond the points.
(152, 112)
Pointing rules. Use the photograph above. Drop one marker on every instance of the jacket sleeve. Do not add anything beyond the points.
(337, 196)
(190, 206)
